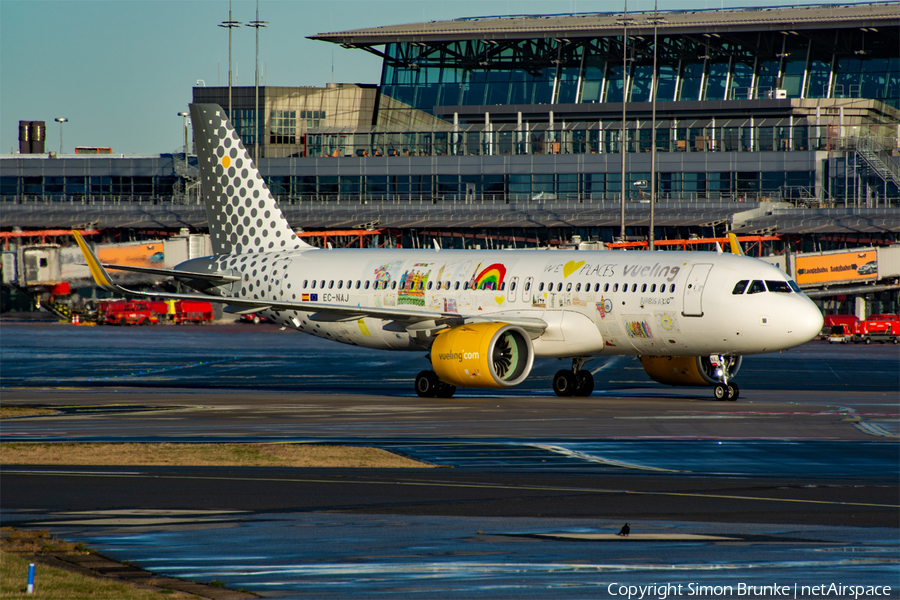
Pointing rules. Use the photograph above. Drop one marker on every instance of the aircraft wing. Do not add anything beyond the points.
(408, 319)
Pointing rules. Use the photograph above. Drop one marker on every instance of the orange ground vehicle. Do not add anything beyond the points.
(126, 312)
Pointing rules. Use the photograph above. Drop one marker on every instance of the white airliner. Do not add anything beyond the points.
(482, 317)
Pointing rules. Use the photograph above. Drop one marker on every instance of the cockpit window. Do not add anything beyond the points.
(740, 286)
(779, 287)
(756, 287)
(794, 286)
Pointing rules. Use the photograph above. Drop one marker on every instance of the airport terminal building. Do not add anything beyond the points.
(795, 104)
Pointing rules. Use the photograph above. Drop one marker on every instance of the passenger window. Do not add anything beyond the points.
(340, 284)
(756, 287)
(367, 284)
(616, 287)
(430, 284)
(740, 286)
(779, 287)
(625, 288)
(671, 288)
(349, 283)
(605, 287)
(502, 285)
(633, 287)
(331, 284)
(322, 284)
(596, 287)
(314, 284)
(578, 287)
(643, 288)
(465, 285)
(456, 286)
(528, 286)
(652, 288)
(541, 287)
(512, 286)
(559, 286)
(358, 283)
(569, 287)
(305, 281)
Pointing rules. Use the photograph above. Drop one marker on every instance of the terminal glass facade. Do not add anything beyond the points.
(844, 63)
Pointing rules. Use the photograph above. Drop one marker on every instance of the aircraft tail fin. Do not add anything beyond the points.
(101, 277)
(242, 213)
(735, 245)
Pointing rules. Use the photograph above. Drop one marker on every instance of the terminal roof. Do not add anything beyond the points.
(789, 19)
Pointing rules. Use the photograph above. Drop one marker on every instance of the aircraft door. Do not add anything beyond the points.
(511, 292)
(693, 290)
(526, 290)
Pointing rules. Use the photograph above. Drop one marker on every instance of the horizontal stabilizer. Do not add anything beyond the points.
(217, 278)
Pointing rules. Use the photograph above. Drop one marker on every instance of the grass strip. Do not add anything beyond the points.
(19, 548)
(8, 412)
(201, 455)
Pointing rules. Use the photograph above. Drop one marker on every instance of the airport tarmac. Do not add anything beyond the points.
(800, 476)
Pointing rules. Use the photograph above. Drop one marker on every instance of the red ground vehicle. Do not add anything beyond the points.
(878, 328)
(192, 311)
(253, 318)
(126, 312)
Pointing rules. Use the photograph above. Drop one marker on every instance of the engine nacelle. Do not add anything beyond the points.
(485, 355)
(686, 370)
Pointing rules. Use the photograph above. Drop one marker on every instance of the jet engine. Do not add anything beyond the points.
(687, 370)
(485, 355)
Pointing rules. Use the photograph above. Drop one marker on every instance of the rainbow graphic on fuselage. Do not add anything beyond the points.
(490, 278)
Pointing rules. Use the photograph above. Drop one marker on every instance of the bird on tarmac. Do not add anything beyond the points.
(626, 529)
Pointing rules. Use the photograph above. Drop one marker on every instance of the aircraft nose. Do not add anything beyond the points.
(808, 321)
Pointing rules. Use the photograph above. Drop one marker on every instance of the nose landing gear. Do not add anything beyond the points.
(724, 390)
(577, 382)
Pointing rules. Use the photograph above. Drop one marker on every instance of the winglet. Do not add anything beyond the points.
(735, 244)
(101, 277)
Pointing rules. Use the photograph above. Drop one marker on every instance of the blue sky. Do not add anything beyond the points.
(121, 70)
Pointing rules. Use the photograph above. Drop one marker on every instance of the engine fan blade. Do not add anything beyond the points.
(502, 356)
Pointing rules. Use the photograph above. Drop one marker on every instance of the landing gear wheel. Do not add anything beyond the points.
(733, 391)
(564, 383)
(720, 391)
(445, 390)
(584, 383)
(427, 384)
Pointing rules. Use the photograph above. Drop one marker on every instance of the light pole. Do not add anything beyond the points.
(651, 245)
(623, 141)
(256, 137)
(60, 120)
(229, 24)
(185, 116)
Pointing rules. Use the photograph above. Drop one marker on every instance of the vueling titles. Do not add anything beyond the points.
(460, 356)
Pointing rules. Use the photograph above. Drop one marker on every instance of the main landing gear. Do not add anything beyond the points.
(429, 386)
(577, 382)
(724, 390)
